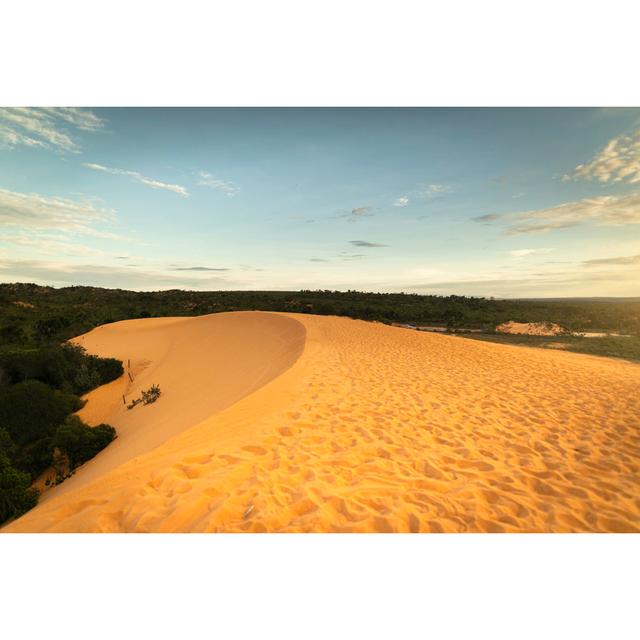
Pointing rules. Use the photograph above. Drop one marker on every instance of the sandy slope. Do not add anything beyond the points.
(373, 428)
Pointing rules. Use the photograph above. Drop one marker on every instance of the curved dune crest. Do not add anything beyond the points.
(202, 365)
(375, 428)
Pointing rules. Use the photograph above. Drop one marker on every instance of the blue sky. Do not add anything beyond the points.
(495, 202)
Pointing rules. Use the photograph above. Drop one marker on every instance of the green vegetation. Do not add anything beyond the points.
(610, 346)
(16, 496)
(40, 383)
(31, 314)
(79, 442)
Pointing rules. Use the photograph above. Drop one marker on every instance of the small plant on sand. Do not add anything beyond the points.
(149, 396)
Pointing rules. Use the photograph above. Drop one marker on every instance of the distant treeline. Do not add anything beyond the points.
(33, 315)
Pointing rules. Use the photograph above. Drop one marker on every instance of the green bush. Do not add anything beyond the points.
(80, 442)
(16, 496)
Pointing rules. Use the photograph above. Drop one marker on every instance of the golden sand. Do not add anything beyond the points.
(286, 422)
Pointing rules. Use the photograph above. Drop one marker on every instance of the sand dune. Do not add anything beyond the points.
(371, 428)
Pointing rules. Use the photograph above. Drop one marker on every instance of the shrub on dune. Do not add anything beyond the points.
(81, 442)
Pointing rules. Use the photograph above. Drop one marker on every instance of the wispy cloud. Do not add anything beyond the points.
(601, 211)
(621, 260)
(83, 119)
(619, 161)
(34, 211)
(200, 269)
(522, 253)
(65, 273)
(318, 260)
(209, 180)
(403, 201)
(50, 245)
(46, 127)
(433, 190)
(364, 243)
(138, 177)
(345, 255)
(361, 211)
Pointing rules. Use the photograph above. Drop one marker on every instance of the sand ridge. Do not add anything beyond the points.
(202, 365)
(376, 428)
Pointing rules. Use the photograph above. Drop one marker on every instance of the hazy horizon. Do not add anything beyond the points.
(509, 203)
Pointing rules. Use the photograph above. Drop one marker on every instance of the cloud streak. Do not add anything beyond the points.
(619, 161)
(366, 244)
(33, 211)
(602, 211)
(209, 180)
(46, 128)
(361, 211)
(523, 253)
(621, 260)
(200, 269)
(138, 177)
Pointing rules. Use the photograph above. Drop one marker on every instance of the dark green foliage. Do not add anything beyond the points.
(80, 442)
(83, 308)
(65, 367)
(16, 496)
(35, 457)
(7, 446)
(31, 410)
(12, 333)
(108, 368)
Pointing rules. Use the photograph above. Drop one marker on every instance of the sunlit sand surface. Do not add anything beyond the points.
(286, 422)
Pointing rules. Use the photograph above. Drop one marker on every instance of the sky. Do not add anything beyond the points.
(485, 202)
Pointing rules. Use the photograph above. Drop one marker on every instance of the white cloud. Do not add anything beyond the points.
(33, 211)
(433, 190)
(81, 118)
(619, 161)
(138, 177)
(361, 211)
(403, 201)
(209, 180)
(45, 128)
(522, 253)
(603, 211)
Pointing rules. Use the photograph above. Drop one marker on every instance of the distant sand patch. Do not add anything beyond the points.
(531, 328)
